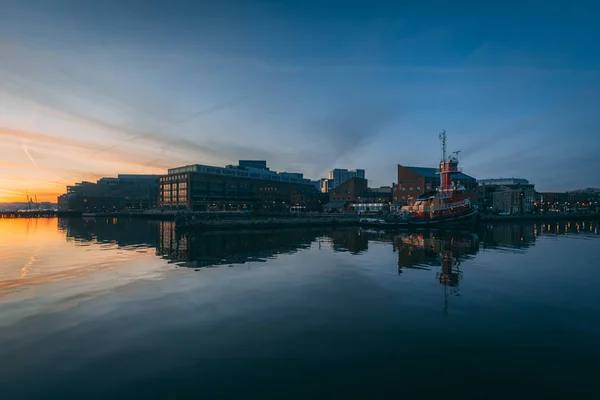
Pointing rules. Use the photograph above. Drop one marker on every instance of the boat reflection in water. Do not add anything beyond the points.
(443, 251)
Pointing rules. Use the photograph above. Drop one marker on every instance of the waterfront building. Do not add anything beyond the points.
(234, 187)
(416, 181)
(488, 187)
(349, 191)
(339, 176)
(125, 192)
(518, 200)
(374, 200)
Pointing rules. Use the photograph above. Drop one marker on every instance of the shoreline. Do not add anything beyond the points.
(241, 220)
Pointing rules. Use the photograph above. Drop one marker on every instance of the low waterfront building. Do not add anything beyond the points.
(374, 200)
(241, 187)
(487, 188)
(308, 199)
(513, 200)
(349, 191)
(335, 207)
(416, 181)
(125, 192)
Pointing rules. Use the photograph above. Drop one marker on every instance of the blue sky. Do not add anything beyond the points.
(95, 88)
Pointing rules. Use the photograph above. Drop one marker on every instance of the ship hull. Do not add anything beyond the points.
(462, 220)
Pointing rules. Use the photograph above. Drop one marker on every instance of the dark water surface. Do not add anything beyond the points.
(127, 309)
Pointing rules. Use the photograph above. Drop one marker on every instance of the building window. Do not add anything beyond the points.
(418, 187)
(410, 189)
(404, 189)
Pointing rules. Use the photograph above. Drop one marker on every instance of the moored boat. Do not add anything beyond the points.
(446, 206)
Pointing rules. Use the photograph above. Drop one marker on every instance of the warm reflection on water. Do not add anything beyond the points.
(36, 252)
(121, 308)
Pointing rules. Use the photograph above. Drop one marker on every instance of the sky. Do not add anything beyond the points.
(97, 88)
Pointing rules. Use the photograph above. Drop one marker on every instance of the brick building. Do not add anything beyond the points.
(349, 191)
(416, 181)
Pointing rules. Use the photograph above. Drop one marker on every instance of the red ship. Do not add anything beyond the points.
(445, 206)
(448, 202)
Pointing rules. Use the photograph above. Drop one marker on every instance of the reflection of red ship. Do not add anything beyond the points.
(430, 250)
(448, 203)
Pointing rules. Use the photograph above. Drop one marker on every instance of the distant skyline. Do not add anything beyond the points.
(98, 88)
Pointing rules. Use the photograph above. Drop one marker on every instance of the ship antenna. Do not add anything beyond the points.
(443, 139)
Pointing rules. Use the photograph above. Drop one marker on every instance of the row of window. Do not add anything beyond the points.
(169, 186)
(182, 193)
(173, 178)
(409, 179)
(410, 189)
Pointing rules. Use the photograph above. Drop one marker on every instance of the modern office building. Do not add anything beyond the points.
(235, 187)
(339, 176)
(326, 185)
(111, 194)
(415, 181)
(258, 164)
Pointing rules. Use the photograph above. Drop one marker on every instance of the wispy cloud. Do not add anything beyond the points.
(29, 155)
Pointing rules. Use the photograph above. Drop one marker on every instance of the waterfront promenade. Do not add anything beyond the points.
(244, 220)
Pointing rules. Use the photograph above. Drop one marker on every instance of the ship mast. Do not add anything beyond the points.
(443, 139)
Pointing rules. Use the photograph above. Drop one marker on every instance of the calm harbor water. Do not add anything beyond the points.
(121, 308)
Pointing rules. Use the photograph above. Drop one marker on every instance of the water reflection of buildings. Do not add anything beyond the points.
(218, 248)
(514, 236)
(520, 236)
(442, 250)
(124, 232)
(355, 241)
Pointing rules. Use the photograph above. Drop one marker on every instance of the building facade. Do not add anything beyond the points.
(487, 188)
(339, 176)
(242, 187)
(349, 191)
(374, 200)
(512, 200)
(125, 192)
(416, 181)
(326, 185)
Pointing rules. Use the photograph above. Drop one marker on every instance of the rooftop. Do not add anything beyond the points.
(243, 171)
(504, 181)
